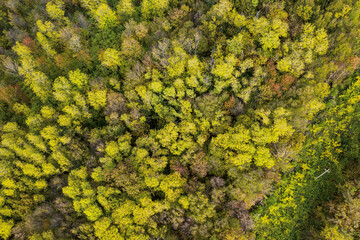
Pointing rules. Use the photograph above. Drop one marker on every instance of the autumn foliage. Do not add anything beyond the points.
(162, 119)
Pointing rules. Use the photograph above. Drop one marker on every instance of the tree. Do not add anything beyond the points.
(110, 58)
(78, 78)
(37, 80)
(104, 231)
(125, 9)
(97, 98)
(105, 17)
(150, 8)
(131, 48)
(5, 228)
(55, 9)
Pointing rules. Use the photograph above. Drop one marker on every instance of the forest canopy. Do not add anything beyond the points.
(167, 119)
